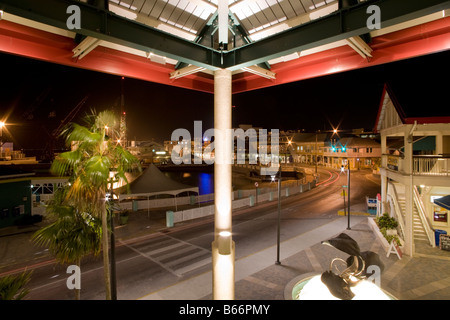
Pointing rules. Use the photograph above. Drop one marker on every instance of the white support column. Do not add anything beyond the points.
(223, 245)
(384, 203)
(383, 151)
(384, 186)
(439, 143)
(409, 200)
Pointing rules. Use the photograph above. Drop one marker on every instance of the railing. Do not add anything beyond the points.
(431, 165)
(393, 193)
(423, 217)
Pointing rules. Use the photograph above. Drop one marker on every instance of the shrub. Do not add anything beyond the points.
(385, 221)
(389, 238)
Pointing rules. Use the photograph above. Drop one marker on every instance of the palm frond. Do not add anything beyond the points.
(12, 286)
(80, 133)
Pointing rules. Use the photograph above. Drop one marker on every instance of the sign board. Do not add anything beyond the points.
(394, 248)
(256, 184)
(444, 242)
(371, 202)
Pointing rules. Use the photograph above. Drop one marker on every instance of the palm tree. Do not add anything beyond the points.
(93, 157)
(72, 235)
(12, 286)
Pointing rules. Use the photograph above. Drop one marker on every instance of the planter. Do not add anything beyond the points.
(377, 232)
(391, 232)
(386, 244)
(123, 217)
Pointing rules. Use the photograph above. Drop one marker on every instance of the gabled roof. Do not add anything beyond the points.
(411, 102)
(353, 142)
(306, 137)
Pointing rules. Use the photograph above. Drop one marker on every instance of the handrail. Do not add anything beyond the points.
(422, 215)
(427, 165)
(437, 165)
(397, 208)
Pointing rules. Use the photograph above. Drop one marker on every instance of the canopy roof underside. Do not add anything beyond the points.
(252, 21)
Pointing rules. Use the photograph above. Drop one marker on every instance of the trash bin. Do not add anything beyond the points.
(437, 233)
(135, 205)
(169, 219)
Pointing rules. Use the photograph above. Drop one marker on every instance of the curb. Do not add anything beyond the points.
(355, 213)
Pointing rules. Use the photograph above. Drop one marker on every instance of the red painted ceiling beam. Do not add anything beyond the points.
(416, 41)
(37, 44)
(420, 40)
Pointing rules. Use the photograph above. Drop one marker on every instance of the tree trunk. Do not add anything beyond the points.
(105, 247)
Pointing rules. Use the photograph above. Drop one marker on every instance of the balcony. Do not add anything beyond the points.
(428, 165)
(431, 165)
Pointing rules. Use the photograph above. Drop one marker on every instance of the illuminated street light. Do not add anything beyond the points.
(2, 124)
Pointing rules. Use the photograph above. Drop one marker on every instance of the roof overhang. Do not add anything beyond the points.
(319, 45)
(388, 95)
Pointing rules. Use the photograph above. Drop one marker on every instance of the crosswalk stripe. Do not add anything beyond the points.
(194, 266)
(170, 256)
(154, 245)
(172, 264)
(174, 255)
(161, 251)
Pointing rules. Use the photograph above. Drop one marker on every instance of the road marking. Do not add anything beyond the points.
(153, 260)
(177, 256)
(195, 265)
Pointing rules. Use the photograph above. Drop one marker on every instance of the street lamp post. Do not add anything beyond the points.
(112, 249)
(2, 124)
(348, 194)
(316, 155)
(279, 218)
(348, 200)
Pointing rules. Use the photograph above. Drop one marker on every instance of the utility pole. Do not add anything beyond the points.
(279, 218)
(348, 194)
(316, 155)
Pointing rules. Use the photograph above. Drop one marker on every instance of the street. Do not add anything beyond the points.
(158, 261)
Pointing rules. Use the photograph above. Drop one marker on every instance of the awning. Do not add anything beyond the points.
(443, 202)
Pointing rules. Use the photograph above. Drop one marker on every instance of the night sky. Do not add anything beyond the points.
(349, 99)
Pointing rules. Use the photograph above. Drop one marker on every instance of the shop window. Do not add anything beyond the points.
(439, 214)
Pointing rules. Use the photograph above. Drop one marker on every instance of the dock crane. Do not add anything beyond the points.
(49, 153)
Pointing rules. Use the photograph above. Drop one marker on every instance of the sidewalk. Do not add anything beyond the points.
(258, 278)
(425, 276)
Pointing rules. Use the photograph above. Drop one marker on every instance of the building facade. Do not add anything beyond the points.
(415, 170)
(332, 151)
